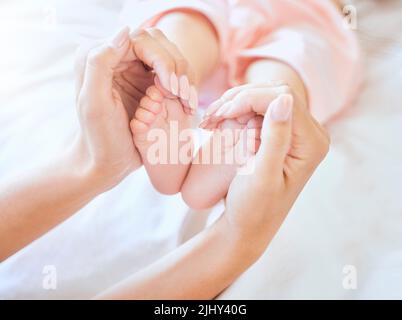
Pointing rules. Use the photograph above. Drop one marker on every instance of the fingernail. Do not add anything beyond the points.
(184, 88)
(164, 87)
(120, 38)
(174, 84)
(193, 101)
(281, 108)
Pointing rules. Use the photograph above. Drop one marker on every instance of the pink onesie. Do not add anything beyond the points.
(308, 35)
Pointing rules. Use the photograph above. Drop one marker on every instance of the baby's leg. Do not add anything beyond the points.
(218, 161)
(162, 135)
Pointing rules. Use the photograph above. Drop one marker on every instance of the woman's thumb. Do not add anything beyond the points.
(276, 135)
(102, 61)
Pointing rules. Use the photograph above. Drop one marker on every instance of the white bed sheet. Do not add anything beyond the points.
(349, 214)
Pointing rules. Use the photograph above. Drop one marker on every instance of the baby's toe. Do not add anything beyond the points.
(144, 116)
(150, 105)
(138, 127)
(155, 94)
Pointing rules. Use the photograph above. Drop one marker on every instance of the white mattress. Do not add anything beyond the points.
(349, 214)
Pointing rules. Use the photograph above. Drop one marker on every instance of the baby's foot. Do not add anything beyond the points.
(162, 134)
(240, 139)
(218, 161)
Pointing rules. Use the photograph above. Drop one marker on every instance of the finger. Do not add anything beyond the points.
(185, 90)
(231, 93)
(229, 124)
(187, 110)
(154, 54)
(133, 85)
(137, 76)
(101, 64)
(206, 124)
(245, 99)
(166, 93)
(81, 56)
(255, 122)
(276, 137)
(193, 100)
(128, 99)
(203, 124)
(243, 119)
(257, 132)
(311, 141)
(182, 66)
(254, 100)
(254, 146)
(227, 96)
(128, 88)
(323, 131)
(179, 61)
(182, 81)
(241, 97)
(253, 140)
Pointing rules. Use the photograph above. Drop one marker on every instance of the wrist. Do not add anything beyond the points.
(95, 177)
(250, 244)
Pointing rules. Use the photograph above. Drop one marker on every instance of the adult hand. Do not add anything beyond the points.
(292, 146)
(112, 78)
(104, 152)
(246, 100)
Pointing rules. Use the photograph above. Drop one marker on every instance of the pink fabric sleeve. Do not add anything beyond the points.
(310, 37)
(146, 13)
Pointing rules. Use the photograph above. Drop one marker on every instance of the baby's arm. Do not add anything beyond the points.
(265, 70)
(313, 51)
(196, 38)
(309, 49)
(261, 70)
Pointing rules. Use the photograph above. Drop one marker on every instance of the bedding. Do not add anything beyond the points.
(348, 218)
